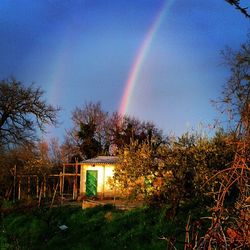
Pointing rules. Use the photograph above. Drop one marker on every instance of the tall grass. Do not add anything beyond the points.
(101, 227)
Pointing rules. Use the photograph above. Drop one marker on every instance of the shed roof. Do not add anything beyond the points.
(101, 160)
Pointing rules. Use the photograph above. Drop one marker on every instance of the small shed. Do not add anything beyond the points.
(94, 176)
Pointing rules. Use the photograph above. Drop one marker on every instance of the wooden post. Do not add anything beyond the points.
(186, 246)
(74, 188)
(14, 185)
(52, 202)
(40, 194)
(44, 186)
(19, 188)
(37, 187)
(28, 187)
(8, 192)
(63, 183)
(60, 179)
(63, 176)
(75, 182)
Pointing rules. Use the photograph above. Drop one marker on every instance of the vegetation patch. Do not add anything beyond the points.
(102, 227)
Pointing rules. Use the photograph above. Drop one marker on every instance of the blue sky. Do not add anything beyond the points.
(81, 51)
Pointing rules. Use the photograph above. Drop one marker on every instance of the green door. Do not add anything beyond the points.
(91, 183)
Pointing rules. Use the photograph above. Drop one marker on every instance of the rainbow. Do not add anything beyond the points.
(140, 58)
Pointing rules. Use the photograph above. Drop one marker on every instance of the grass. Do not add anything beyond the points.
(102, 227)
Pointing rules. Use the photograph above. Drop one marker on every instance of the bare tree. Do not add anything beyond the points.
(22, 111)
(235, 96)
(238, 6)
(55, 152)
(89, 115)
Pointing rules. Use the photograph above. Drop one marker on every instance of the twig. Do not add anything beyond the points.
(168, 240)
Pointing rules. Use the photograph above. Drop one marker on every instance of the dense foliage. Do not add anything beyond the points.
(174, 171)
